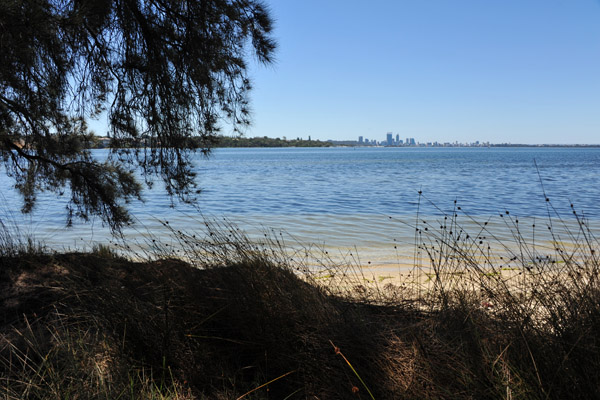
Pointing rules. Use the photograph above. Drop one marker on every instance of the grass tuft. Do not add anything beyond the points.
(213, 315)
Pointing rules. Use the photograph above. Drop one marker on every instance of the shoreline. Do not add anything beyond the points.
(242, 317)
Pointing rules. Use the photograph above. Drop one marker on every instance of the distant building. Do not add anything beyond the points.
(397, 139)
(390, 139)
(360, 140)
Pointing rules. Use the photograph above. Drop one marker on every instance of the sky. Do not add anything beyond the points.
(510, 71)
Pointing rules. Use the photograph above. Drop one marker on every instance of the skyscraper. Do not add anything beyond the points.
(390, 140)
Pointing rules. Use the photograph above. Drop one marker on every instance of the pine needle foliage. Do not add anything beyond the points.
(166, 73)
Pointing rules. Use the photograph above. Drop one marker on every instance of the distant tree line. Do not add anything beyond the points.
(226, 141)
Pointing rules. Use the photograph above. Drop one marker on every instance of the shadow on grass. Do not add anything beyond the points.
(217, 316)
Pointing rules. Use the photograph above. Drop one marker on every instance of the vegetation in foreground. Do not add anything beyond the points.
(172, 72)
(238, 320)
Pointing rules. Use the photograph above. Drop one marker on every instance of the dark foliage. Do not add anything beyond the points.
(167, 73)
(226, 141)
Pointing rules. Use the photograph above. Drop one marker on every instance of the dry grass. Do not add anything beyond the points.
(216, 316)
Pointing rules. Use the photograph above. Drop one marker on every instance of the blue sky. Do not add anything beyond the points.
(509, 71)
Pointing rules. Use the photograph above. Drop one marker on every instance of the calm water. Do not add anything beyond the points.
(343, 197)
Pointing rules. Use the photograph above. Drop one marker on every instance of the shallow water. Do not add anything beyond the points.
(343, 198)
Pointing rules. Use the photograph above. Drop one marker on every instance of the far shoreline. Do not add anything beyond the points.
(102, 142)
